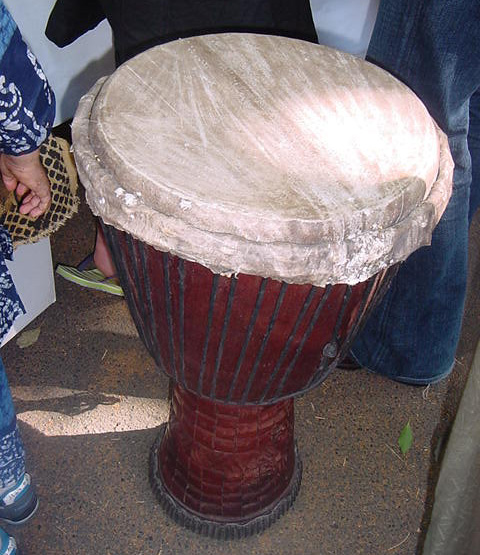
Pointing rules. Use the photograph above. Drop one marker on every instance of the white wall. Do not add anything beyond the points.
(345, 24)
(72, 70)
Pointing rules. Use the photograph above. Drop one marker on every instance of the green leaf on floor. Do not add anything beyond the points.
(406, 439)
(28, 338)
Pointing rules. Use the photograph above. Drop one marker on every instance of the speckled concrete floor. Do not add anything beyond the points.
(89, 400)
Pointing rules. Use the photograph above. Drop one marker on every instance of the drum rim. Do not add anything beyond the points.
(345, 257)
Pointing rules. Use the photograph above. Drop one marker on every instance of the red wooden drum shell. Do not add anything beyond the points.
(241, 340)
(238, 350)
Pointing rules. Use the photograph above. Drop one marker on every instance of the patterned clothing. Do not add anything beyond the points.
(27, 110)
(27, 104)
(12, 452)
(11, 305)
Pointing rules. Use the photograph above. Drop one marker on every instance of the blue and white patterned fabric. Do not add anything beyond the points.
(27, 111)
(27, 104)
(12, 452)
(10, 304)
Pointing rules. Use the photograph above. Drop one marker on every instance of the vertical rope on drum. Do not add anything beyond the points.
(306, 335)
(248, 336)
(371, 284)
(383, 282)
(218, 359)
(146, 331)
(157, 355)
(168, 305)
(213, 296)
(181, 318)
(341, 314)
(323, 363)
(283, 354)
(111, 234)
(378, 285)
(266, 337)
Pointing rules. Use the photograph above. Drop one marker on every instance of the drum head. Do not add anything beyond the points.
(264, 155)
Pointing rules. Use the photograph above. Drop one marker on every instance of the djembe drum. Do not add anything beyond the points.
(257, 193)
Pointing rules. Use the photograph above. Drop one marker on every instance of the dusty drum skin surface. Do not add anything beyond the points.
(257, 194)
(266, 156)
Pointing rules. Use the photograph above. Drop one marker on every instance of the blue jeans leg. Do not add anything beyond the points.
(474, 148)
(434, 47)
(12, 453)
(412, 335)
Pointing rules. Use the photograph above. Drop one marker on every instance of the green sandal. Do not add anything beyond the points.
(92, 279)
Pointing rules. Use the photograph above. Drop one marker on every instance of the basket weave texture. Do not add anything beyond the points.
(58, 162)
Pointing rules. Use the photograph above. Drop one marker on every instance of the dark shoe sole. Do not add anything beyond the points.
(27, 515)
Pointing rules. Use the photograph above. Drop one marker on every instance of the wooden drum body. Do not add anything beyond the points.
(237, 348)
(249, 252)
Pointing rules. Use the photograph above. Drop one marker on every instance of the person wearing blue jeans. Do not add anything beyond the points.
(27, 109)
(433, 46)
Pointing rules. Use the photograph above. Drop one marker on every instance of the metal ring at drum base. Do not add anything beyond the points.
(211, 528)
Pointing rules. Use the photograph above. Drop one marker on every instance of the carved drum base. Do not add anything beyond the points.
(226, 471)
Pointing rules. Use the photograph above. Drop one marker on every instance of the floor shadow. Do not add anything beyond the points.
(70, 405)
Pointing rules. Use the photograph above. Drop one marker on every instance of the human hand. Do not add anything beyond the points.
(25, 175)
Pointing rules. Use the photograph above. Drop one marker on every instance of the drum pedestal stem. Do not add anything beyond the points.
(225, 470)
